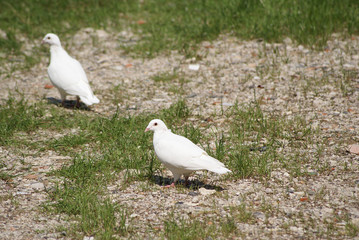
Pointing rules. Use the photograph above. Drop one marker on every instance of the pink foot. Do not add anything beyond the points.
(169, 186)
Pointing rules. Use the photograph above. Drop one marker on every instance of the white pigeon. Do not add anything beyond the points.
(179, 154)
(67, 74)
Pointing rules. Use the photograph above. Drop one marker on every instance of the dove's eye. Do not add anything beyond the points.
(155, 124)
(48, 38)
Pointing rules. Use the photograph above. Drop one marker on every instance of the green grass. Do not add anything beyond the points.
(178, 228)
(183, 24)
(178, 25)
(352, 229)
(165, 77)
(120, 144)
(18, 116)
(79, 196)
(252, 146)
(5, 176)
(101, 148)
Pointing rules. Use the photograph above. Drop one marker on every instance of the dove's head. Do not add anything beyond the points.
(51, 39)
(156, 125)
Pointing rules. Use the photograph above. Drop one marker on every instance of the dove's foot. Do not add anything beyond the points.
(169, 186)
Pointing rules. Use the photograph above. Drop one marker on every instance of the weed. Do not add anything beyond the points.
(5, 176)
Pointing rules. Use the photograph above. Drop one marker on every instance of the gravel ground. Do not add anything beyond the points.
(290, 80)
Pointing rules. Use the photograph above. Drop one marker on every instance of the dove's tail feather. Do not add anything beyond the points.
(213, 165)
(220, 170)
(89, 100)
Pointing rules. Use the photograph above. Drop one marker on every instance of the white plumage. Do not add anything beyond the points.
(67, 74)
(179, 154)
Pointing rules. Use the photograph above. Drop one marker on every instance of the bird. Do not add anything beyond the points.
(67, 74)
(179, 154)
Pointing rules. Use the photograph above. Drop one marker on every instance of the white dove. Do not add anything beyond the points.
(67, 74)
(179, 154)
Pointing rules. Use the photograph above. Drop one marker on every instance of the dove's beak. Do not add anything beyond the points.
(42, 41)
(147, 129)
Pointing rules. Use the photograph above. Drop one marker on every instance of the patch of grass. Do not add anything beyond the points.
(183, 24)
(255, 140)
(190, 132)
(36, 18)
(176, 111)
(188, 229)
(18, 116)
(70, 141)
(346, 82)
(175, 228)
(5, 176)
(241, 214)
(96, 216)
(228, 227)
(165, 77)
(179, 25)
(103, 147)
(173, 81)
(120, 144)
(352, 229)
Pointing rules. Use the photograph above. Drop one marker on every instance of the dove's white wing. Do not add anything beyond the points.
(180, 153)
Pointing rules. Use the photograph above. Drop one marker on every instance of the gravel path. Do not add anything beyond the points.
(321, 86)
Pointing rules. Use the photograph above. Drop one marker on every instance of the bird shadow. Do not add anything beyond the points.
(69, 104)
(191, 184)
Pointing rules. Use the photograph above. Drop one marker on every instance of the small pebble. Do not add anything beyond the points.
(192, 95)
(192, 193)
(193, 67)
(269, 190)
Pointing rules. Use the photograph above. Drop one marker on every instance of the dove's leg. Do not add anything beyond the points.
(63, 98)
(176, 176)
(186, 176)
(77, 101)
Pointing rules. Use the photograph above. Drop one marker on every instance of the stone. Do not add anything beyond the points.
(31, 176)
(259, 215)
(193, 193)
(299, 193)
(134, 215)
(297, 230)
(195, 200)
(287, 41)
(269, 190)
(354, 148)
(206, 192)
(3, 34)
(193, 67)
(88, 238)
(37, 185)
(227, 104)
(192, 95)
(102, 33)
